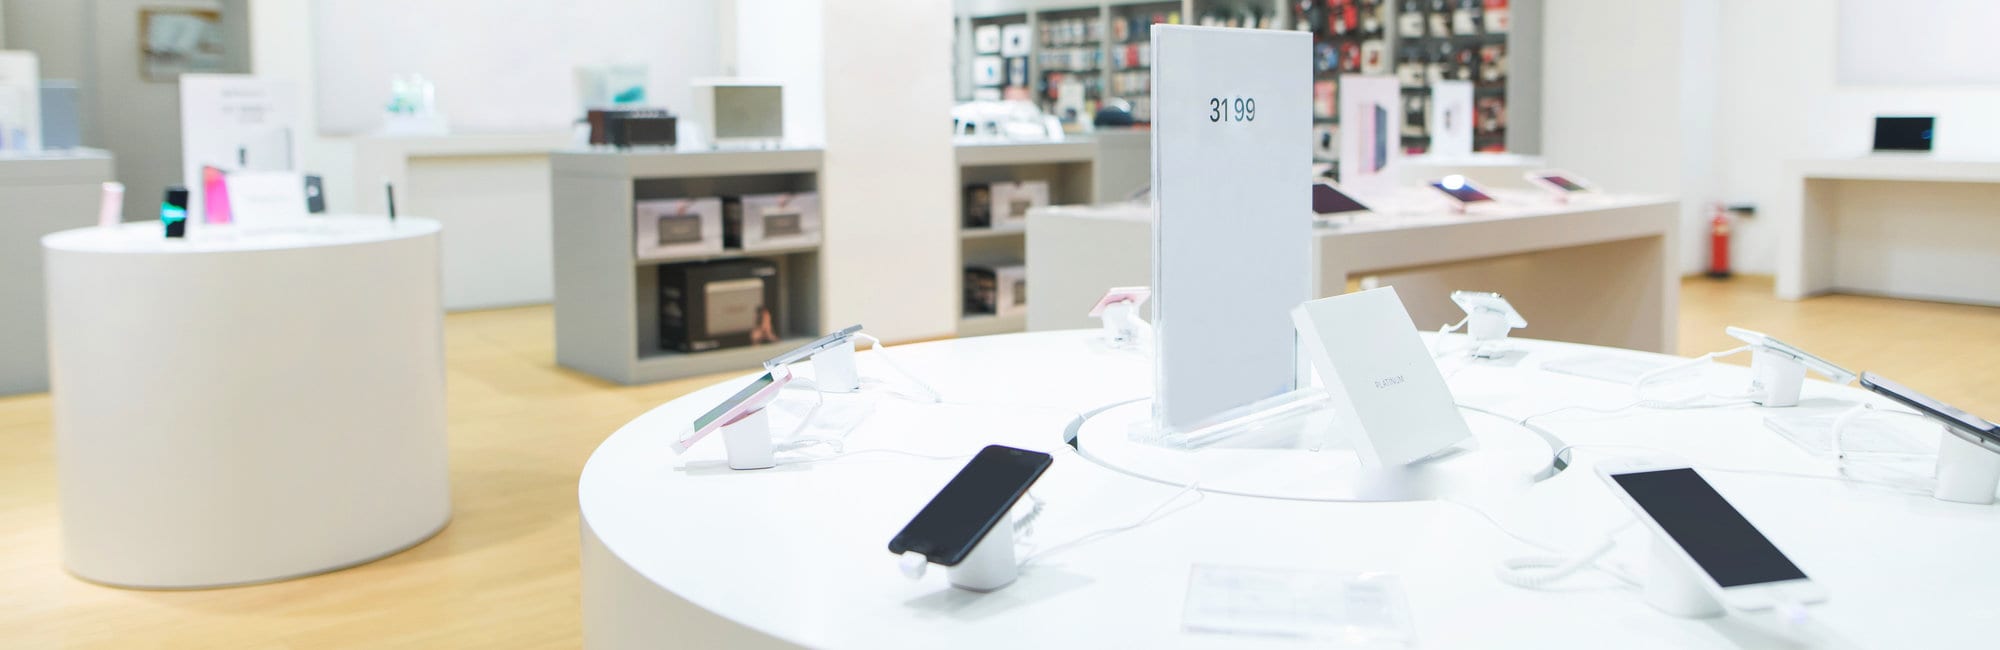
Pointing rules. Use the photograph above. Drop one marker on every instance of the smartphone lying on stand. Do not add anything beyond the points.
(1731, 558)
(968, 507)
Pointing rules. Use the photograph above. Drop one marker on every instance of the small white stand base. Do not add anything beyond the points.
(1672, 586)
(991, 563)
(1488, 330)
(1778, 378)
(1966, 472)
(748, 442)
(1121, 323)
(834, 370)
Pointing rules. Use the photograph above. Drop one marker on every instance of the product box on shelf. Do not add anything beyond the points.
(766, 221)
(714, 305)
(1003, 205)
(997, 289)
(664, 228)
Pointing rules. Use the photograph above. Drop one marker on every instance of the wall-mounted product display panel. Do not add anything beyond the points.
(675, 308)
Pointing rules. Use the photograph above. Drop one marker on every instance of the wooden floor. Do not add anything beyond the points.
(504, 573)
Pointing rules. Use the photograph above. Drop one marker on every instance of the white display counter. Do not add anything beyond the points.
(1492, 170)
(492, 191)
(1905, 226)
(1598, 270)
(246, 407)
(685, 552)
(39, 194)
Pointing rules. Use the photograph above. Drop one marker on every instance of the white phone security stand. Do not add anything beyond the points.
(1776, 377)
(1487, 326)
(1966, 472)
(834, 370)
(1121, 322)
(1672, 586)
(989, 566)
(748, 442)
(991, 563)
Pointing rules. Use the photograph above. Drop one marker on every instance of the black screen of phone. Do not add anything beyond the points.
(961, 514)
(1712, 531)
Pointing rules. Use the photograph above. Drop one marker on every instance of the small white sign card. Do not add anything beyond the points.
(1371, 128)
(1232, 190)
(234, 123)
(1451, 119)
(267, 200)
(1392, 402)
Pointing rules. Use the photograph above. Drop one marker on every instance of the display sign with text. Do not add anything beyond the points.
(233, 123)
(1232, 179)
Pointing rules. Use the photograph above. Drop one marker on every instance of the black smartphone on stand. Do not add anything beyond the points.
(174, 212)
(971, 504)
(1971, 428)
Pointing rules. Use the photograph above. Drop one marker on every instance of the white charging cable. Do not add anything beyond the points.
(1542, 571)
(1158, 512)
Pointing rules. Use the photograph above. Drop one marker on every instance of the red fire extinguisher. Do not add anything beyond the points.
(1718, 243)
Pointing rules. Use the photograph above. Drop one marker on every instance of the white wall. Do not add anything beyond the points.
(1623, 99)
(889, 178)
(781, 40)
(501, 67)
(1780, 100)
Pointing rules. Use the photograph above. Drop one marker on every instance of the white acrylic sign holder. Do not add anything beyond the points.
(1371, 133)
(233, 123)
(1231, 189)
(1450, 119)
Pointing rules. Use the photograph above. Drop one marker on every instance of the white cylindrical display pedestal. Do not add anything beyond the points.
(248, 406)
(1966, 472)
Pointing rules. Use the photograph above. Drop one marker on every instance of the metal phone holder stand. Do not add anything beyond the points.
(748, 442)
(1966, 472)
(1673, 587)
(1776, 377)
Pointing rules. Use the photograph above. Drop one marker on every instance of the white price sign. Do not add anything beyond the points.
(1232, 177)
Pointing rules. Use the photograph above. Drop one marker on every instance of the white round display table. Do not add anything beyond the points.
(683, 552)
(248, 406)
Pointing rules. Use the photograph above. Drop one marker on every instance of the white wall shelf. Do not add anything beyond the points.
(607, 300)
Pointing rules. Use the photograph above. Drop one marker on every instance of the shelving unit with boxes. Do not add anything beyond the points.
(1103, 47)
(1004, 180)
(608, 298)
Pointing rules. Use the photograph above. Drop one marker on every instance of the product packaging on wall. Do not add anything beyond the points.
(1371, 115)
(20, 102)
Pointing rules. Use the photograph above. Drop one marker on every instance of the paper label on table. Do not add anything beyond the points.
(1343, 610)
(1232, 188)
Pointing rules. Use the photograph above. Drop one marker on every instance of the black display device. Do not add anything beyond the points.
(1966, 423)
(174, 212)
(1328, 200)
(315, 194)
(971, 504)
(1713, 533)
(1904, 133)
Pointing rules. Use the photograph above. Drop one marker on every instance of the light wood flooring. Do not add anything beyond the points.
(504, 573)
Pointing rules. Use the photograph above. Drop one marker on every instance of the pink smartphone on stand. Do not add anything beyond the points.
(743, 403)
